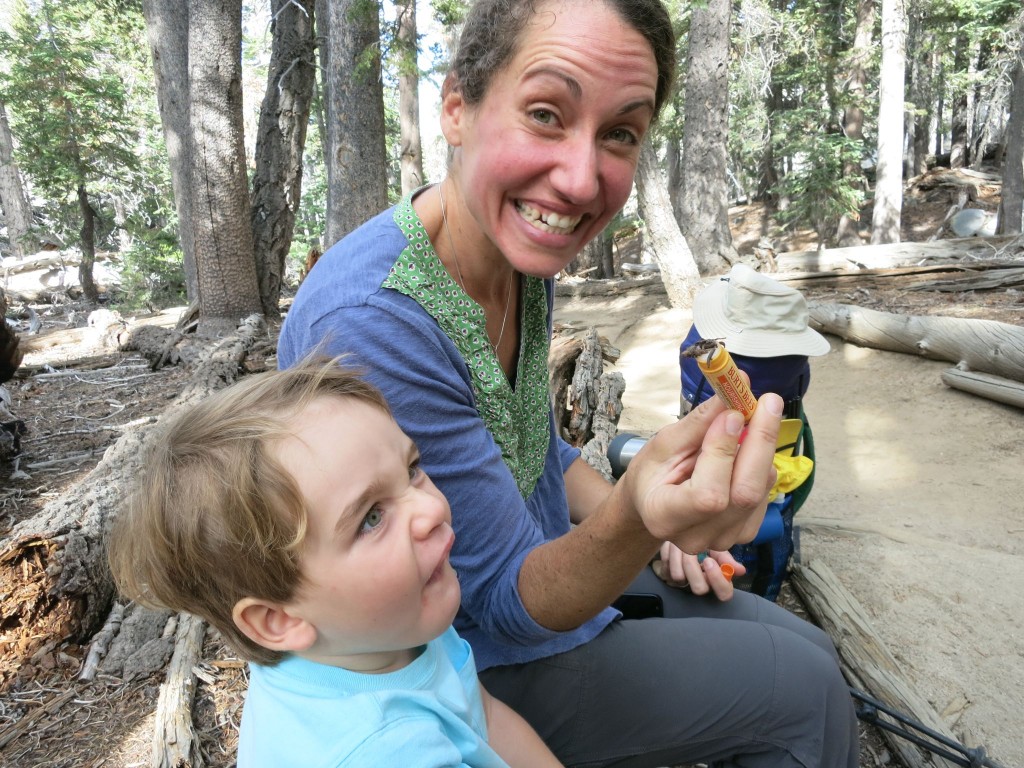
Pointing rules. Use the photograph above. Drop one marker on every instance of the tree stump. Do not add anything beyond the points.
(55, 583)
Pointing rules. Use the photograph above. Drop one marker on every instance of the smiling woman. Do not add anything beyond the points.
(445, 301)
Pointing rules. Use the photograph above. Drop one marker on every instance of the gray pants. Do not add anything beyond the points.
(743, 683)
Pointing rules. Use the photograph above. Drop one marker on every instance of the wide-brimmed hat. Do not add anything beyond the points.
(756, 316)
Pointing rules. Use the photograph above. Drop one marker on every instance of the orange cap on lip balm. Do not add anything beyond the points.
(724, 377)
(728, 571)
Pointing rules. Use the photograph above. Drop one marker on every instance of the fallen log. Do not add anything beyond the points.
(978, 345)
(900, 254)
(991, 387)
(866, 661)
(54, 578)
(613, 287)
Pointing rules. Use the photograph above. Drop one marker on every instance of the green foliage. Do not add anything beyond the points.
(77, 80)
(68, 100)
(818, 191)
(151, 276)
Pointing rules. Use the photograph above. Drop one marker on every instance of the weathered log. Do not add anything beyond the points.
(54, 578)
(979, 345)
(867, 662)
(900, 254)
(614, 287)
(991, 387)
(175, 742)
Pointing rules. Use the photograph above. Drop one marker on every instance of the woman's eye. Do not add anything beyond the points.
(544, 116)
(373, 518)
(623, 136)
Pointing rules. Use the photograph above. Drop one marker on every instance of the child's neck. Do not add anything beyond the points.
(371, 663)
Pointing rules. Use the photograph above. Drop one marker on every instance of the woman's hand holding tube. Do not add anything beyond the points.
(697, 485)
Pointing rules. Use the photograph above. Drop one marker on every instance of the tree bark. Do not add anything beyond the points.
(280, 140)
(356, 165)
(409, 97)
(885, 220)
(672, 252)
(1011, 206)
(705, 189)
(13, 198)
(221, 212)
(167, 26)
(54, 578)
(87, 241)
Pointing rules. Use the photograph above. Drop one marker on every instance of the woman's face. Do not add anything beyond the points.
(547, 158)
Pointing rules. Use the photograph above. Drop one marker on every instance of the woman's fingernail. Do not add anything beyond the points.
(773, 403)
(734, 423)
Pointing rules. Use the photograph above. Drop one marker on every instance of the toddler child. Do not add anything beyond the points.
(289, 511)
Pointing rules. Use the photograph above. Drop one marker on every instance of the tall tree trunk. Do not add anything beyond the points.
(959, 119)
(13, 198)
(280, 140)
(705, 191)
(221, 213)
(926, 93)
(917, 69)
(1011, 206)
(679, 271)
(356, 161)
(847, 233)
(885, 220)
(409, 97)
(87, 241)
(167, 26)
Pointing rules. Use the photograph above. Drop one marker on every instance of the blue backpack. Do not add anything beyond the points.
(768, 556)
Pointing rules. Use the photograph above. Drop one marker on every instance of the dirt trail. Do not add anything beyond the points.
(918, 507)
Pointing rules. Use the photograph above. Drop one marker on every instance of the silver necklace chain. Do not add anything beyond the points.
(458, 271)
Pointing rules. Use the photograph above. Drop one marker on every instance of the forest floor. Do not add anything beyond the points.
(79, 406)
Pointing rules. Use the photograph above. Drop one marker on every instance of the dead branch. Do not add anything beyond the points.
(866, 661)
(54, 578)
(175, 743)
(101, 642)
(979, 345)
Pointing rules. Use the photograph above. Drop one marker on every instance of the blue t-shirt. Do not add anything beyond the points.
(499, 517)
(428, 714)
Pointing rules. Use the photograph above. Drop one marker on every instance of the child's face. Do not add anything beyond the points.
(376, 555)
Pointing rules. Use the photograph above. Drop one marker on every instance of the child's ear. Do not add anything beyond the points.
(272, 626)
(453, 111)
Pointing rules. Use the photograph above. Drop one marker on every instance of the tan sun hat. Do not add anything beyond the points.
(756, 316)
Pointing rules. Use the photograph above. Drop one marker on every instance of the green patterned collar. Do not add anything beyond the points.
(516, 418)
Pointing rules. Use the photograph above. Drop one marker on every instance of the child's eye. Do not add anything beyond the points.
(373, 519)
(414, 471)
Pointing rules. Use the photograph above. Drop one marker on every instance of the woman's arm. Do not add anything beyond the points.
(692, 484)
(513, 738)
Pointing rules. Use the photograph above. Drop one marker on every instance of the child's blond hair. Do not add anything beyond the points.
(215, 517)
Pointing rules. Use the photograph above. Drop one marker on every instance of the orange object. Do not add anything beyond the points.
(728, 571)
(725, 378)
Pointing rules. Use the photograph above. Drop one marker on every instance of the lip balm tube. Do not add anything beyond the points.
(724, 376)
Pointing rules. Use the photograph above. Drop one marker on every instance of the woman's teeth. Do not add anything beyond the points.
(552, 223)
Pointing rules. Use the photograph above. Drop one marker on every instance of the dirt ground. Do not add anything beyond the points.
(918, 503)
(917, 507)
